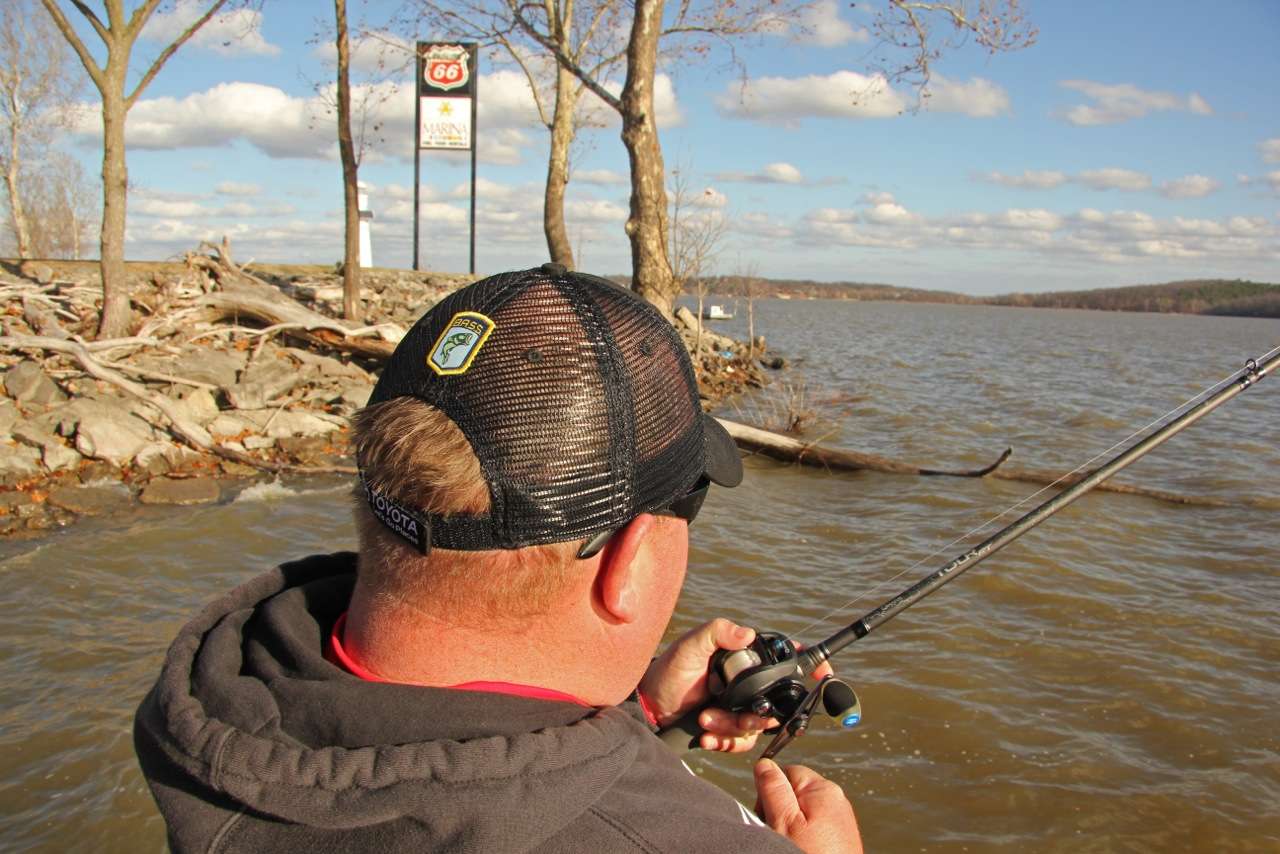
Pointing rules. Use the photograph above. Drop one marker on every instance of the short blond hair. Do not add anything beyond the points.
(413, 453)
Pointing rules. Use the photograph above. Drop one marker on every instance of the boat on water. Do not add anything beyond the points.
(716, 311)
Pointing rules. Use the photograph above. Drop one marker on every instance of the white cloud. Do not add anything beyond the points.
(164, 208)
(1188, 187)
(1030, 179)
(1114, 179)
(759, 224)
(229, 33)
(850, 95)
(1114, 103)
(595, 210)
(772, 173)
(1032, 220)
(844, 94)
(1270, 180)
(283, 125)
(821, 24)
(710, 197)
(603, 177)
(235, 188)
(1270, 150)
(890, 213)
(238, 209)
(1120, 237)
(978, 98)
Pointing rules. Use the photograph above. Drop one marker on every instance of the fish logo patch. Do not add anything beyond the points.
(458, 344)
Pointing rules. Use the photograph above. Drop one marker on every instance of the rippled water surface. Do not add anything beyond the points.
(1108, 683)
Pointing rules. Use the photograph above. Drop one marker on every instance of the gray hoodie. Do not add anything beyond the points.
(251, 740)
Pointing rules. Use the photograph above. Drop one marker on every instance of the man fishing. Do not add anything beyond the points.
(480, 676)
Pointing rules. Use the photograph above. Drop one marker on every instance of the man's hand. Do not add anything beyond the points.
(806, 808)
(677, 681)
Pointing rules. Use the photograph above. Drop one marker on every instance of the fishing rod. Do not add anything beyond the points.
(767, 677)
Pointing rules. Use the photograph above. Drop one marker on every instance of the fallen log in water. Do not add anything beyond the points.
(786, 449)
(791, 450)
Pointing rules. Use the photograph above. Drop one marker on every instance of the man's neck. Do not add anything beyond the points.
(399, 643)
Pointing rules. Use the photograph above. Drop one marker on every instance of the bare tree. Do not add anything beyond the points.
(61, 202)
(698, 230)
(37, 84)
(903, 25)
(350, 190)
(749, 285)
(584, 30)
(119, 33)
(912, 35)
(647, 225)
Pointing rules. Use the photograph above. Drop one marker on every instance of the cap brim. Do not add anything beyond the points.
(724, 466)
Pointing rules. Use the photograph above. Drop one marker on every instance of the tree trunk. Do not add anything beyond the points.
(647, 224)
(558, 168)
(16, 211)
(350, 189)
(115, 187)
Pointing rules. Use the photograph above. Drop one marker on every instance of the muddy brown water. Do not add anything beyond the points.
(1111, 682)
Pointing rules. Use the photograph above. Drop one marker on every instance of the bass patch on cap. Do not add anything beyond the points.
(459, 343)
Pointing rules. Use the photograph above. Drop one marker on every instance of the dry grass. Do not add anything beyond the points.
(790, 407)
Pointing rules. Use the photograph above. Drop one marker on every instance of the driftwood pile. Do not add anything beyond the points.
(226, 375)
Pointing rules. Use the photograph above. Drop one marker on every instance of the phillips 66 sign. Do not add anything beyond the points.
(446, 93)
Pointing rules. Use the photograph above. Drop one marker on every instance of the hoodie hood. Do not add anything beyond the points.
(249, 715)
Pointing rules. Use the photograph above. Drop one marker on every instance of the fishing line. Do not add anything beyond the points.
(1168, 416)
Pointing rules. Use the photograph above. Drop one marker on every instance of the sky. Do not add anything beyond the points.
(1134, 142)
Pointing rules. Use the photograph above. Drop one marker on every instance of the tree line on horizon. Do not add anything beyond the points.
(1233, 297)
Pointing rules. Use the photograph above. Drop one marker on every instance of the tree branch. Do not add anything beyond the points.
(73, 39)
(168, 51)
(98, 26)
(565, 60)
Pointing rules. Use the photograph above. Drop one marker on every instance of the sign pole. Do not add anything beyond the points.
(475, 99)
(445, 115)
(417, 149)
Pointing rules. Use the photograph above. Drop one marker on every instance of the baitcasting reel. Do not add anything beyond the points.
(767, 678)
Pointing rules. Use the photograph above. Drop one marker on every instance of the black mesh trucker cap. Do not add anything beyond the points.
(578, 398)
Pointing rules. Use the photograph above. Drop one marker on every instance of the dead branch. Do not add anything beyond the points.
(244, 295)
(786, 449)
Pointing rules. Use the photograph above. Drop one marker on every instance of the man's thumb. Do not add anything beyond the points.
(777, 799)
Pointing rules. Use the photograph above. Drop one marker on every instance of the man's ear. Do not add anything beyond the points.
(620, 580)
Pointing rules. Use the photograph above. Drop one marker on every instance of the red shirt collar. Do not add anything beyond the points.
(336, 653)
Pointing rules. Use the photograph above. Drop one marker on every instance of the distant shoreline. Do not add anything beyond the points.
(1224, 297)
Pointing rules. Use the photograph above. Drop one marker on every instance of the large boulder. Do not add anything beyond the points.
(107, 431)
(18, 462)
(198, 406)
(53, 451)
(166, 490)
(89, 500)
(26, 382)
(8, 417)
(280, 423)
(265, 380)
(203, 364)
(327, 367)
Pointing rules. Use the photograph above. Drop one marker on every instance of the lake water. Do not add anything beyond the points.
(1110, 682)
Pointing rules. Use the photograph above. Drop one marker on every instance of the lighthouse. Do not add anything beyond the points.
(366, 216)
